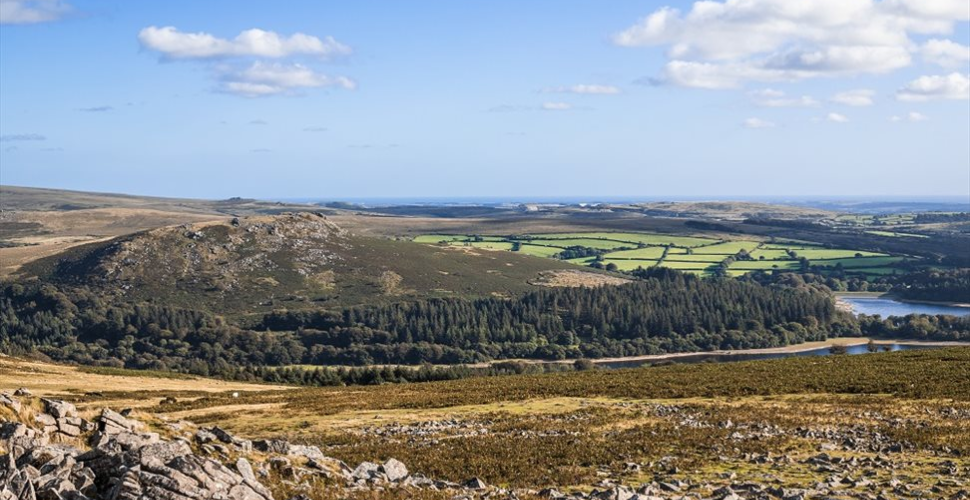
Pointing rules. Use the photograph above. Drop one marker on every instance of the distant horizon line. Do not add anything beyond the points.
(576, 198)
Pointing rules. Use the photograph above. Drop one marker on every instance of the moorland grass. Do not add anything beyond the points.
(914, 374)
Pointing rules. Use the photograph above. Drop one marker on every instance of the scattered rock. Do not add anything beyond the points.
(394, 470)
(59, 409)
(10, 402)
(476, 484)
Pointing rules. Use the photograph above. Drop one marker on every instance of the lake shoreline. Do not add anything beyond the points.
(789, 349)
(890, 296)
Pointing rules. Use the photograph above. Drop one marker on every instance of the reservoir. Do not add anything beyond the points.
(886, 307)
(751, 356)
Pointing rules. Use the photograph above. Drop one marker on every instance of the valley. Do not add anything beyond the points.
(424, 250)
(440, 353)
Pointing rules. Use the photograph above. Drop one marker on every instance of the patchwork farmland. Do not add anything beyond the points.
(696, 254)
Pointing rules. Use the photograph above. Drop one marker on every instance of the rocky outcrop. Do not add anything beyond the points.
(45, 460)
(122, 462)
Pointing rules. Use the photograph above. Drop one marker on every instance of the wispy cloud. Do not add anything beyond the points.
(771, 98)
(261, 150)
(925, 88)
(22, 137)
(857, 98)
(174, 44)
(556, 106)
(594, 89)
(757, 123)
(258, 122)
(509, 108)
(837, 118)
(912, 116)
(267, 79)
(97, 109)
(315, 129)
(32, 11)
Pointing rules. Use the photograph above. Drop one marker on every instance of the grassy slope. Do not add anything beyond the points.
(231, 270)
(563, 429)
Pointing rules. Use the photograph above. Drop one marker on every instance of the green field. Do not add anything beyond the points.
(796, 247)
(488, 245)
(685, 253)
(832, 253)
(639, 253)
(699, 266)
(875, 220)
(645, 238)
(629, 265)
(727, 248)
(697, 258)
(766, 265)
(539, 251)
(581, 242)
(439, 238)
(770, 254)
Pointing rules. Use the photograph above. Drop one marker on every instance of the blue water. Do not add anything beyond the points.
(888, 307)
(749, 356)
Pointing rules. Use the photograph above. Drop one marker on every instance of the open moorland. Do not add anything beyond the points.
(893, 425)
(401, 330)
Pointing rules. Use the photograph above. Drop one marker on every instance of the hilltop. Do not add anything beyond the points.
(293, 260)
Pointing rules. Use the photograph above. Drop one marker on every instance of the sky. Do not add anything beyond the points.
(310, 99)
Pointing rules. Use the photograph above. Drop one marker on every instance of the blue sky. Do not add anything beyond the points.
(443, 98)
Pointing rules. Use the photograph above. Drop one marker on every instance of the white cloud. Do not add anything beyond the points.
(263, 79)
(724, 44)
(771, 98)
(718, 76)
(584, 89)
(946, 53)
(912, 116)
(175, 44)
(32, 11)
(952, 86)
(758, 123)
(556, 106)
(837, 118)
(859, 97)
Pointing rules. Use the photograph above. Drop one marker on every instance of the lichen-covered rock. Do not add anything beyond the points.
(394, 470)
(59, 409)
(123, 464)
(10, 402)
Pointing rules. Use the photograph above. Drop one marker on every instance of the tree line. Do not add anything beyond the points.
(663, 311)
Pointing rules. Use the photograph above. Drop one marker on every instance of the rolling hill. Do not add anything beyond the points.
(295, 260)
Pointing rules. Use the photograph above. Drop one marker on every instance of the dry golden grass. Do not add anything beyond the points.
(57, 231)
(116, 391)
(534, 438)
